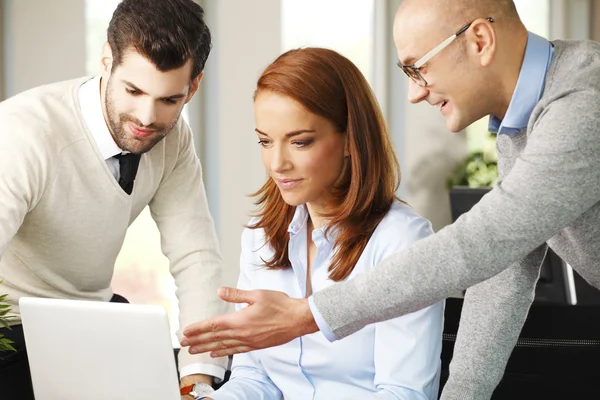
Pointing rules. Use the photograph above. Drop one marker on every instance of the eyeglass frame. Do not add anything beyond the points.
(415, 67)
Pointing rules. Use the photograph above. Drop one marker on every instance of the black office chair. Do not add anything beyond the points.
(556, 356)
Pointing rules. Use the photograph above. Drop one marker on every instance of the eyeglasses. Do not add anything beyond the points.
(412, 71)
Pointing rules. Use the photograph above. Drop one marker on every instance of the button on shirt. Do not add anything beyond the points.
(399, 358)
(529, 88)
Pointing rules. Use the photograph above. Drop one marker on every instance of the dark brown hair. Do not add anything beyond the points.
(166, 32)
(331, 86)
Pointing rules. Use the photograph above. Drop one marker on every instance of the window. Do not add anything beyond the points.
(346, 26)
(97, 17)
(535, 14)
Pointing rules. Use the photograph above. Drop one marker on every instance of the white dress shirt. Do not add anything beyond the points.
(395, 359)
(91, 108)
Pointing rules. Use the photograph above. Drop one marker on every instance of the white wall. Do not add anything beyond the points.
(44, 41)
(3, 21)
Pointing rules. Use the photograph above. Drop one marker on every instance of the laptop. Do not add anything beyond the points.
(98, 351)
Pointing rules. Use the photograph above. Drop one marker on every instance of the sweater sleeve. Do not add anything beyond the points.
(25, 168)
(554, 181)
(189, 241)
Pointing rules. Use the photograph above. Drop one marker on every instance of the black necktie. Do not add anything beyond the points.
(128, 166)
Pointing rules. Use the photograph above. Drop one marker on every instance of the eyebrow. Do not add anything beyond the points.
(407, 61)
(289, 134)
(172, 97)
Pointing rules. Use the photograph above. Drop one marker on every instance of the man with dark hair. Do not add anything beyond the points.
(470, 58)
(80, 160)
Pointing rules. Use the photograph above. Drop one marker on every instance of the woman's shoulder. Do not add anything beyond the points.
(400, 227)
(401, 216)
(253, 238)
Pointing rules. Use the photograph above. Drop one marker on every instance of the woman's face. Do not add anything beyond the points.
(302, 152)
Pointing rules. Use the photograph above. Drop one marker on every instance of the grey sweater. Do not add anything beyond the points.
(548, 194)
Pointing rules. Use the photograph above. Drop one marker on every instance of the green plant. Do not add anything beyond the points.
(479, 168)
(5, 343)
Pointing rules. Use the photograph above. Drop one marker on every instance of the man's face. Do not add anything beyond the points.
(143, 104)
(454, 83)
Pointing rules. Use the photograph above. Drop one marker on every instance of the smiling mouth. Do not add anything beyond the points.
(443, 105)
(139, 131)
(288, 183)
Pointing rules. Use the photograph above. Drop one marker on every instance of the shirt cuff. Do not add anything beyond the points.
(205, 369)
(323, 327)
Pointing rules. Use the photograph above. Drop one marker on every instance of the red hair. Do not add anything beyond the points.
(331, 86)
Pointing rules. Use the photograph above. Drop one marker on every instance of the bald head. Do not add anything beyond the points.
(421, 24)
(455, 13)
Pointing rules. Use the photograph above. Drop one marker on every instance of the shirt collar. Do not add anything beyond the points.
(299, 223)
(529, 89)
(299, 220)
(93, 116)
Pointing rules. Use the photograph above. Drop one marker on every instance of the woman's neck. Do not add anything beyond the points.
(316, 219)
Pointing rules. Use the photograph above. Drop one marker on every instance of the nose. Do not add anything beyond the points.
(416, 93)
(280, 161)
(147, 112)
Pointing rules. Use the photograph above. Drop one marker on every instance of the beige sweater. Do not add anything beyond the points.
(63, 216)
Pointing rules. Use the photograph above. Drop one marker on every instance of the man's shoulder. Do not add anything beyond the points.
(40, 116)
(574, 47)
(41, 105)
(575, 66)
(180, 137)
(42, 92)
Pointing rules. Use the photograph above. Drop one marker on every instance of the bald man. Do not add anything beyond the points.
(470, 58)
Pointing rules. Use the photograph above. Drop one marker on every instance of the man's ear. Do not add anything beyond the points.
(483, 41)
(194, 86)
(106, 60)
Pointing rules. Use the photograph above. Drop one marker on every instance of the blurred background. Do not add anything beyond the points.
(43, 41)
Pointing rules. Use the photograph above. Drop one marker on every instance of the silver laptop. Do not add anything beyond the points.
(98, 351)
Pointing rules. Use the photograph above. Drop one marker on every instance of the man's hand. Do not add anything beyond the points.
(270, 319)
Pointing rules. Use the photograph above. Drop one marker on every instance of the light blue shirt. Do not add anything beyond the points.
(395, 359)
(529, 89)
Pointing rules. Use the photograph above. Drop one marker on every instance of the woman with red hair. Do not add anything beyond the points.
(328, 212)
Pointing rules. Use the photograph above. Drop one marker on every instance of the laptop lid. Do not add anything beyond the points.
(97, 351)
